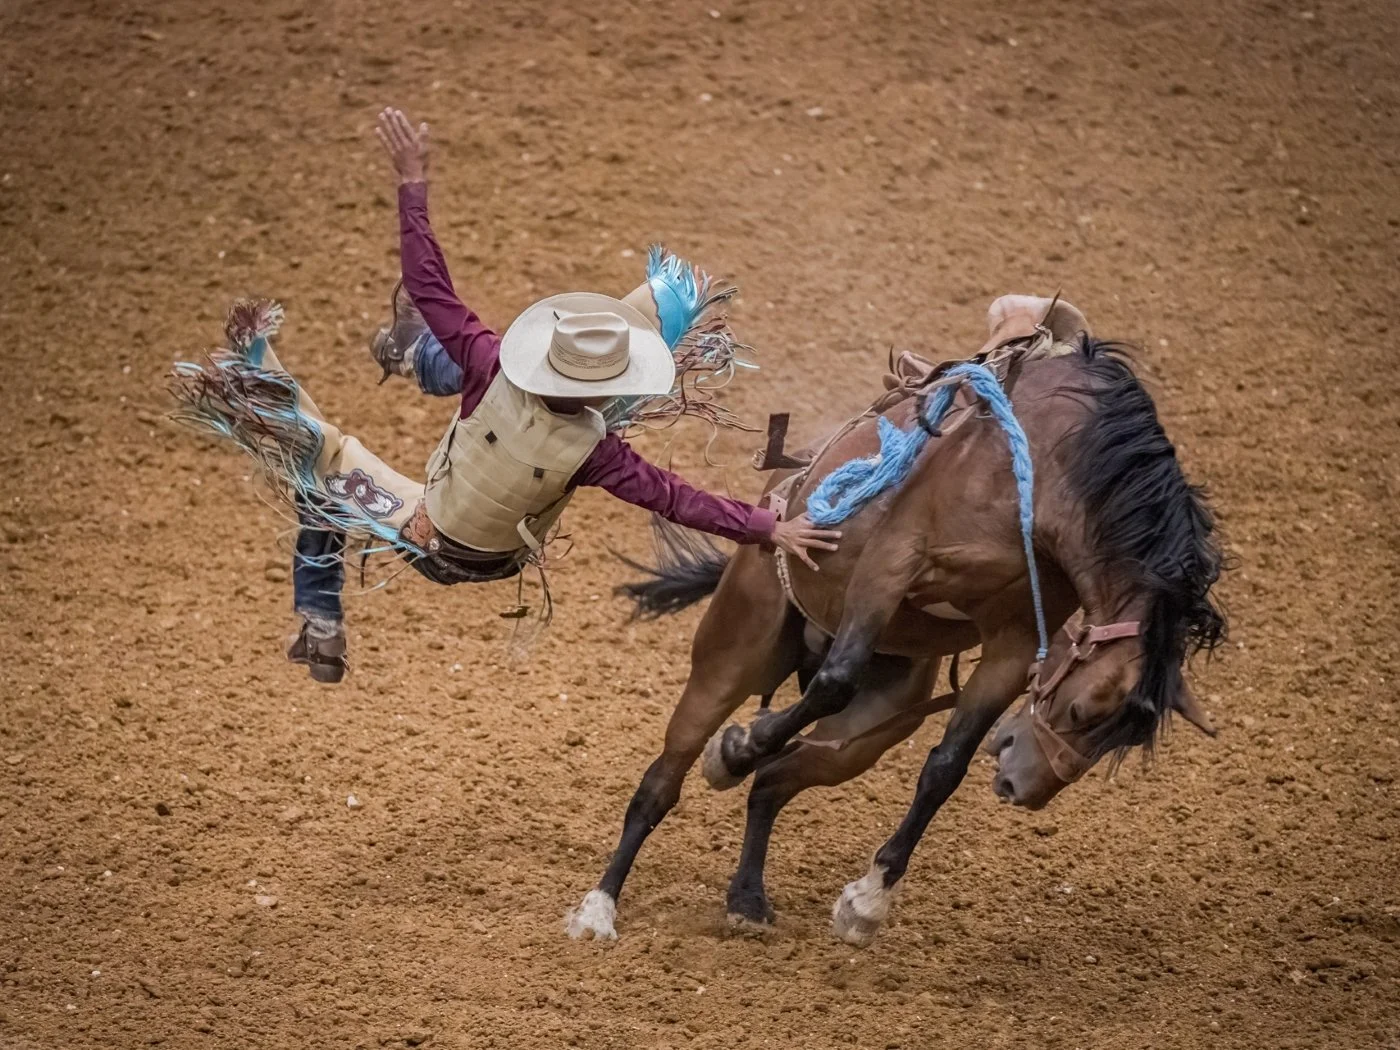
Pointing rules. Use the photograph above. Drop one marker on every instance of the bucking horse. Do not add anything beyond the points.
(1077, 555)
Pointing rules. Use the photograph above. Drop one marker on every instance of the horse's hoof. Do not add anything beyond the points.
(750, 912)
(593, 918)
(862, 908)
(744, 926)
(712, 765)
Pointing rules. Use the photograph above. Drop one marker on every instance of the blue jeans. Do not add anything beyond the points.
(437, 374)
(318, 573)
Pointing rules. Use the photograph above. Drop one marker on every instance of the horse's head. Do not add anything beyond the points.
(1149, 552)
(1087, 700)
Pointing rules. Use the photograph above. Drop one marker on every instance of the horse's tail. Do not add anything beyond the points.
(688, 568)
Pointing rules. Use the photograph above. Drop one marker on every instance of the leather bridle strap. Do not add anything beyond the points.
(1113, 631)
(1067, 763)
(1081, 648)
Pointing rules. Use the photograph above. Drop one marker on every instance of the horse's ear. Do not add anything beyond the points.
(1190, 709)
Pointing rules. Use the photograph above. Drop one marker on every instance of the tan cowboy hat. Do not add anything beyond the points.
(585, 344)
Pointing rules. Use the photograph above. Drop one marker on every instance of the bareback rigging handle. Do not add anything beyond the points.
(773, 457)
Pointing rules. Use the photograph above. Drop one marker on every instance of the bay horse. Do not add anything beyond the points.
(931, 568)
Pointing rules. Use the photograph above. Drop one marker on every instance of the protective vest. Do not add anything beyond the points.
(499, 478)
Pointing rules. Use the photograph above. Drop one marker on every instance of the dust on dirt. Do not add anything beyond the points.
(179, 863)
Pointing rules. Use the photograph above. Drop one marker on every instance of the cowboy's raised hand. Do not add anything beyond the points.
(407, 148)
(798, 536)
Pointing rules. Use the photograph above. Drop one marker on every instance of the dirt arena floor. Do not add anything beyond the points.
(178, 863)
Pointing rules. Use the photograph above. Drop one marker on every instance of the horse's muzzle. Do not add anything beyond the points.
(1020, 778)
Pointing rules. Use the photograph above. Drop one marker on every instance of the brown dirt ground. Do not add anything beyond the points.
(1215, 181)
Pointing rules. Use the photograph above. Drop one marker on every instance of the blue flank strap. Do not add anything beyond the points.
(851, 486)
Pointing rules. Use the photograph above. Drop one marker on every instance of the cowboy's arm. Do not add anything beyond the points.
(473, 346)
(466, 339)
(617, 468)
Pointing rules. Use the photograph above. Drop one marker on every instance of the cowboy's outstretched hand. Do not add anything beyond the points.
(407, 148)
(799, 536)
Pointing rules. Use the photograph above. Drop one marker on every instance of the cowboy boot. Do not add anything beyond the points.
(393, 345)
(320, 645)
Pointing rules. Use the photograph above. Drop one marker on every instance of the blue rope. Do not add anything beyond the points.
(851, 486)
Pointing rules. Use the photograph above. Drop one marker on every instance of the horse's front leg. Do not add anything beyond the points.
(999, 678)
(877, 586)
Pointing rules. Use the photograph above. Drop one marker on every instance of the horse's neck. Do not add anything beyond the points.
(1106, 592)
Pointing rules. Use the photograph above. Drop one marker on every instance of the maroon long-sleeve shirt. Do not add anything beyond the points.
(613, 465)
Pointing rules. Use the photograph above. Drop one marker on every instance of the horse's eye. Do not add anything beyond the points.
(1076, 719)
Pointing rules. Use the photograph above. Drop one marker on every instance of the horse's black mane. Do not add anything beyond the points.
(1146, 518)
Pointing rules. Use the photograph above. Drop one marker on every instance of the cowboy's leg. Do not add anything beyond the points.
(384, 501)
(999, 678)
(382, 498)
(318, 577)
(748, 642)
(803, 765)
(436, 373)
(405, 347)
(318, 571)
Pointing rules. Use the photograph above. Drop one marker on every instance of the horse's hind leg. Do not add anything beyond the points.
(897, 684)
(748, 642)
